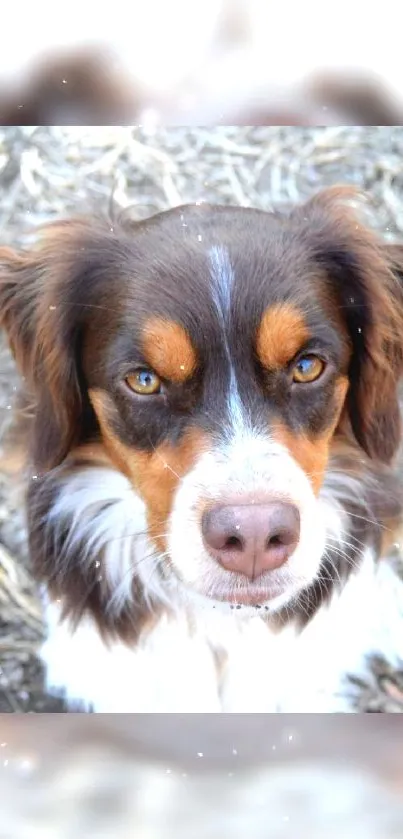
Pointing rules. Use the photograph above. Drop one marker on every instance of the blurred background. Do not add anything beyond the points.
(49, 172)
(205, 777)
(244, 62)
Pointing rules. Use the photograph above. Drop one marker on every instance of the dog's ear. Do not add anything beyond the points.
(366, 276)
(43, 329)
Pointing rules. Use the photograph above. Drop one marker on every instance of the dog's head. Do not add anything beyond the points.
(216, 354)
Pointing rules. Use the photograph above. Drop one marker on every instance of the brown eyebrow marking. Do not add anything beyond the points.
(168, 349)
(281, 333)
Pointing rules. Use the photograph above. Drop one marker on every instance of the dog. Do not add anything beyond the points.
(213, 488)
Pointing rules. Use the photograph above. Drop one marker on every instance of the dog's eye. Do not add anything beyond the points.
(307, 369)
(144, 382)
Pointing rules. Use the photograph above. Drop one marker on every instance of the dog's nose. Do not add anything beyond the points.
(251, 538)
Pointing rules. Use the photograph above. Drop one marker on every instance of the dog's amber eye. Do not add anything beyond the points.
(307, 369)
(144, 382)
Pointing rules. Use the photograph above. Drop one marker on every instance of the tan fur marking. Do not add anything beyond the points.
(312, 453)
(155, 475)
(391, 538)
(91, 453)
(168, 350)
(282, 332)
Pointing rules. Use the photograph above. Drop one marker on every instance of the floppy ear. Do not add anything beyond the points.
(365, 273)
(43, 328)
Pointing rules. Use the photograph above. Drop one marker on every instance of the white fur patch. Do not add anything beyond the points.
(223, 278)
(173, 668)
(104, 514)
(168, 671)
(222, 275)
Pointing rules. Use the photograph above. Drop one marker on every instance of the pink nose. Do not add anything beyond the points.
(251, 538)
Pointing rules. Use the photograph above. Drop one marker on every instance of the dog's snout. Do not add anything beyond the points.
(251, 538)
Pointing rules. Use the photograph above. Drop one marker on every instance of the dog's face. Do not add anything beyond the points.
(216, 355)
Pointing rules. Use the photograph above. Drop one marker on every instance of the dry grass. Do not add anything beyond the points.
(48, 172)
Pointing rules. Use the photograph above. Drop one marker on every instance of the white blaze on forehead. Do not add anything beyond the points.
(222, 275)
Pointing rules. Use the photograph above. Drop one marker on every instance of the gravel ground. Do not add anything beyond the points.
(48, 172)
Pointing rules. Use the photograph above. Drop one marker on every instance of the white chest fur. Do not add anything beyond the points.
(226, 663)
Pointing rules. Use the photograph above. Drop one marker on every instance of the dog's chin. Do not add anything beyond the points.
(262, 596)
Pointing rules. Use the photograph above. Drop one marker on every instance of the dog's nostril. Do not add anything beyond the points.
(234, 543)
(274, 541)
(282, 539)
